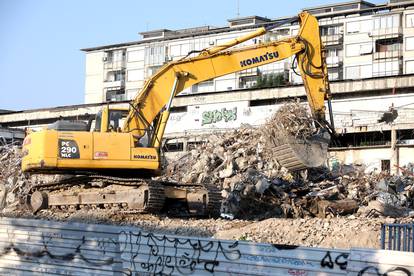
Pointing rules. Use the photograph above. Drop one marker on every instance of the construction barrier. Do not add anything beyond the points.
(398, 237)
(40, 247)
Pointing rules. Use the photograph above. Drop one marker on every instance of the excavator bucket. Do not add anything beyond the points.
(292, 135)
(297, 154)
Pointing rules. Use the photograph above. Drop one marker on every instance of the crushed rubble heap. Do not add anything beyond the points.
(292, 120)
(13, 184)
(241, 163)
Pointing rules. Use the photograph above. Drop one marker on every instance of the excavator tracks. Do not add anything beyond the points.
(127, 195)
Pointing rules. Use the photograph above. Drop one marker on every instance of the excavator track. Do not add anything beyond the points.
(128, 195)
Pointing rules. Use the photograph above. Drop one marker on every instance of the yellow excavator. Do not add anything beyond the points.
(112, 163)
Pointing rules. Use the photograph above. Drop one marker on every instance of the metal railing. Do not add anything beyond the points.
(399, 237)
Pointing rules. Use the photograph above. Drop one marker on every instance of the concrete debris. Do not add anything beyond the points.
(292, 120)
(255, 186)
(13, 183)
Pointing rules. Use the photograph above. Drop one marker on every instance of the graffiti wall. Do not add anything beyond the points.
(219, 116)
(30, 247)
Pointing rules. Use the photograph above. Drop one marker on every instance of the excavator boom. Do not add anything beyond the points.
(220, 60)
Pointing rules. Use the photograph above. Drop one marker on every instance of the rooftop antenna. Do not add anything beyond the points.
(238, 8)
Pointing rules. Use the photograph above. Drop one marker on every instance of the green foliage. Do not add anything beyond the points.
(270, 80)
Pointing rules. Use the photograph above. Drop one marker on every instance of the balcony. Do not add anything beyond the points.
(388, 54)
(334, 61)
(116, 98)
(335, 39)
(114, 64)
(114, 84)
(387, 32)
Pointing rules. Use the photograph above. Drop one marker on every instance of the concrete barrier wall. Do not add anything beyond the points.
(37, 247)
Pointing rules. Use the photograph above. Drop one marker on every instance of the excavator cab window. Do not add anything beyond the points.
(116, 119)
(98, 120)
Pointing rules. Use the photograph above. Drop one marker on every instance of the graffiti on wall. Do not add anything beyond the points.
(130, 252)
(218, 115)
(45, 249)
(161, 255)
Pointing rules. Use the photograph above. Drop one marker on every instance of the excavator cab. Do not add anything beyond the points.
(110, 119)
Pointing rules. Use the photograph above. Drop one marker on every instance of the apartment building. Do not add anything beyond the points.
(363, 40)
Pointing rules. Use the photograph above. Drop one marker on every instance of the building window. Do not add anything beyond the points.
(353, 50)
(179, 50)
(155, 54)
(335, 73)
(275, 35)
(409, 20)
(409, 67)
(178, 109)
(131, 93)
(386, 45)
(409, 43)
(329, 30)
(114, 56)
(115, 95)
(387, 67)
(247, 81)
(136, 75)
(136, 55)
(118, 75)
(362, 26)
(334, 56)
(205, 86)
(358, 72)
(386, 22)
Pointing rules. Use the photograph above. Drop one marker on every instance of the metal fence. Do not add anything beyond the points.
(398, 237)
(38, 247)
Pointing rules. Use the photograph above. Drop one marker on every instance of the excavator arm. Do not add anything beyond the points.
(150, 108)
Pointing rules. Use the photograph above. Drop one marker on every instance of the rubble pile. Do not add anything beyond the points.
(292, 120)
(339, 232)
(13, 183)
(242, 164)
(254, 186)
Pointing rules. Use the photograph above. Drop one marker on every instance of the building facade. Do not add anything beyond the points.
(363, 40)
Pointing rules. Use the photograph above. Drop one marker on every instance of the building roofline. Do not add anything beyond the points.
(64, 107)
(179, 35)
(373, 8)
(249, 17)
(340, 4)
(155, 31)
(5, 111)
